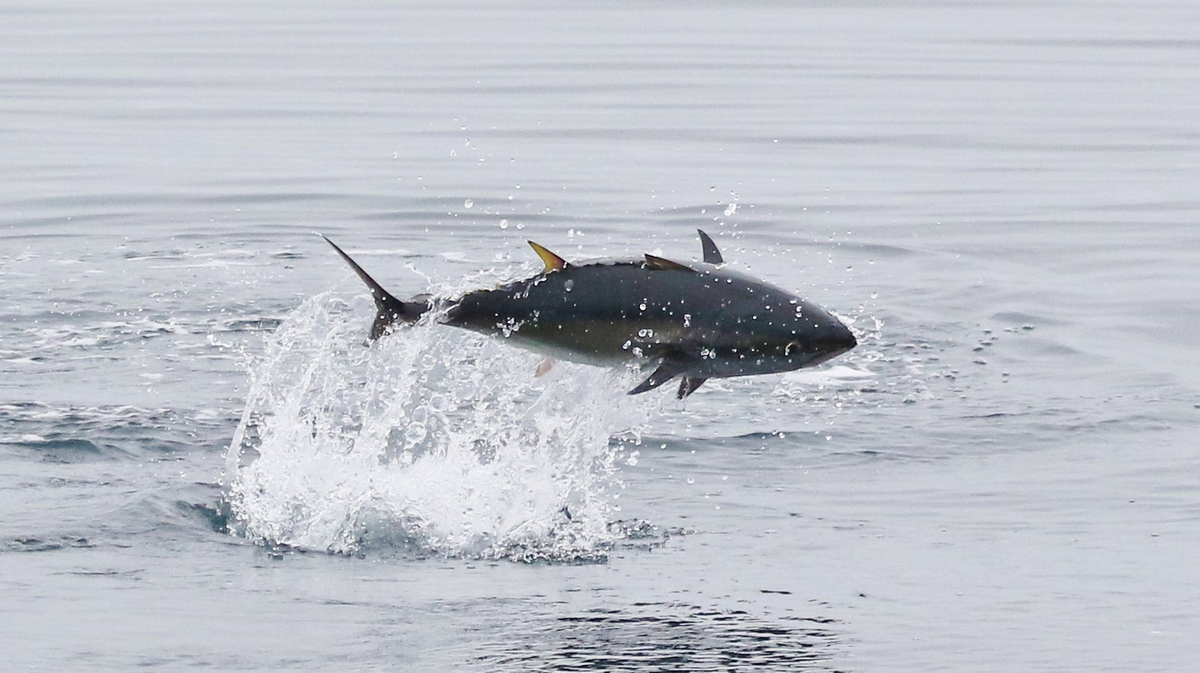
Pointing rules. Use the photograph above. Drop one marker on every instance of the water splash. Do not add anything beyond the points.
(432, 440)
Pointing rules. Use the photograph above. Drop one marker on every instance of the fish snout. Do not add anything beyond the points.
(835, 339)
(840, 339)
(823, 342)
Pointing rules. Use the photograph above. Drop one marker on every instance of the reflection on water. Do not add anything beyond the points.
(666, 637)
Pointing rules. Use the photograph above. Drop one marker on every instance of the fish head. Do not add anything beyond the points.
(812, 335)
(763, 329)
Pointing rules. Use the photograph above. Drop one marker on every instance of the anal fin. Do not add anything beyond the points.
(688, 385)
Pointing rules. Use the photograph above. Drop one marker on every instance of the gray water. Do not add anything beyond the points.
(202, 467)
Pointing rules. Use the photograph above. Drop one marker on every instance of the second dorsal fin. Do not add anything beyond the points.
(659, 263)
(711, 254)
(552, 261)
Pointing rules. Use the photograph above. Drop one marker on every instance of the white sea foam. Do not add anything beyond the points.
(432, 438)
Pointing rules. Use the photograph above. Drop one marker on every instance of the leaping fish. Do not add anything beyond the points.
(696, 321)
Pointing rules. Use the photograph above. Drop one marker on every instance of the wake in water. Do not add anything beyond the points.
(432, 440)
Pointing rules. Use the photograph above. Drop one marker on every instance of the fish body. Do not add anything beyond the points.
(696, 321)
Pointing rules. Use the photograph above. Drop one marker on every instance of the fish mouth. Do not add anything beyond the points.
(836, 340)
(845, 341)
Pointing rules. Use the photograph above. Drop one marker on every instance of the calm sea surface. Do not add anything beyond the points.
(202, 467)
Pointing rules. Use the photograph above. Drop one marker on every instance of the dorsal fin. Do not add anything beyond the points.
(661, 264)
(553, 262)
(711, 254)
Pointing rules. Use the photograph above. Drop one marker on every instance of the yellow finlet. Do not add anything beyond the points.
(553, 261)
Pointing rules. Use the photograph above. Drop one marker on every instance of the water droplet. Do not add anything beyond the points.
(569, 285)
(468, 203)
(504, 224)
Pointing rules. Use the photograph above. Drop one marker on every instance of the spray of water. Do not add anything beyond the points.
(431, 440)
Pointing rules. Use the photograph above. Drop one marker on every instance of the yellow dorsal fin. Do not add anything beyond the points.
(553, 262)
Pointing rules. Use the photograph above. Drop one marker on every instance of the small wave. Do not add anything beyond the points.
(246, 324)
(69, 433)
(100, 335)
(58, 448)
(214, 517)
(381, 252)
(832, 375)
(36, 544)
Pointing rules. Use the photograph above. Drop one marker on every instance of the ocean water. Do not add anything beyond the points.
(202, 466)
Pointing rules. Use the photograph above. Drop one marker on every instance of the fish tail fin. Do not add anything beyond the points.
(388, 309)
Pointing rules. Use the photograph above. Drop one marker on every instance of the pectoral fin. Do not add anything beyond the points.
(669, 368)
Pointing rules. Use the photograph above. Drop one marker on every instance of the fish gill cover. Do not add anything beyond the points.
(431, 441)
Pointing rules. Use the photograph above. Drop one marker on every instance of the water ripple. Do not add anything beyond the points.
(666, 637)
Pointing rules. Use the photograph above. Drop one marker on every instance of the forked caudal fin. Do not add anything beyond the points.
(388, 309)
